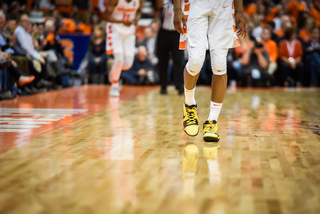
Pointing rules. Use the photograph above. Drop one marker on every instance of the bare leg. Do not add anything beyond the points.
(219, 87)
(189, 80)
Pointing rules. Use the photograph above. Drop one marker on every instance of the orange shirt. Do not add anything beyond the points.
(67, 26)
(315, 14)
(84, 28)
(279, 32)
(295, 8)
(251, 9)
(272, 49)
(64, 6)
(51, 38)
(284, 52)
(305, 35)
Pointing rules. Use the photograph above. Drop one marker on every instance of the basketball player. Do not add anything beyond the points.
(207, 24)
(122, 16)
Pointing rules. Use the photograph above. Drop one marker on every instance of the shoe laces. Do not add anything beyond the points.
(191, 115)
(211, 127)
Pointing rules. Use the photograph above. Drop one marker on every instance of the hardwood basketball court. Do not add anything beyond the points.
(79, 151)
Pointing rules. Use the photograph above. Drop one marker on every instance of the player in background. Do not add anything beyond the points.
(206, 24)
(121, 17)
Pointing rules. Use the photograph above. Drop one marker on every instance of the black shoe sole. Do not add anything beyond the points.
(210, 139)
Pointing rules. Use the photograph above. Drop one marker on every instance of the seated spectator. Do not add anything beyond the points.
(149, 41)
(272, 50)
(37, 63)
(97, 56)
(142, 71)
(274, 36)
(253, 63)
(67, 25)
(315, 12)
(304, 34)
(290, 53)
(285, 23)
(312, 55)
(14, 71)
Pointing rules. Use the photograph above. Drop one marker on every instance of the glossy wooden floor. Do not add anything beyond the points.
(77, 151)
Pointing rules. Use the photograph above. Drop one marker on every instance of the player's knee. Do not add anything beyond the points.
(194, 64)
(219, 61)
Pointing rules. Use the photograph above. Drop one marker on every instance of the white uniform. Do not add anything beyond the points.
(121, 38)
(210, 25)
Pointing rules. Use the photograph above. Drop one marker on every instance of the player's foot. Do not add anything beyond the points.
(114, 91)
(210, 131)
(163, 91)
(190, 120)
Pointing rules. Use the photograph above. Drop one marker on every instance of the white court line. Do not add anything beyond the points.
(14, 130)
(19, 126)
(27, 122)
(33, 119)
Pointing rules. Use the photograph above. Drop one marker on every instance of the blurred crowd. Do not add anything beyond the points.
(282, 47)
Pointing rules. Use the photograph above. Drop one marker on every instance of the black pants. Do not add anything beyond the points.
(168, 43)
(15, 73)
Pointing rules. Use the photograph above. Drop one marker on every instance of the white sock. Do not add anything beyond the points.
(115, 84)
(215, 109)
(189, 96)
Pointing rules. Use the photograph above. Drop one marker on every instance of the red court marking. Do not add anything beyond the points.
(94, 98)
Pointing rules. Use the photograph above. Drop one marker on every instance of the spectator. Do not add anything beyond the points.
(312, 55)
(37, 63)
(272, 50)
(315, 12)
(97, 56)
(304, 33)
(142, 70)
(67, 25)
(49, 43)
(274, 36)
(285, 23)
(257, 30)
(149, 42)
(290, 53)
(253, 62)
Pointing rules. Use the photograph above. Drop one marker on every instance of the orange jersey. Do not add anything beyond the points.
(272, 49)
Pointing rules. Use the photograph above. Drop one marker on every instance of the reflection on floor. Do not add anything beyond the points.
(130, 155)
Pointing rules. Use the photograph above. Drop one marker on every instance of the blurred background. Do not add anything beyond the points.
(64, 46)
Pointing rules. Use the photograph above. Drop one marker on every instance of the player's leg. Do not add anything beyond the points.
(196, 44)
(128, 51)
(221, 36)
(219, 87)
(117, 65)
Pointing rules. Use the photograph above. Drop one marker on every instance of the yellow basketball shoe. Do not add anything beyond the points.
(210, 131)
(190, 120)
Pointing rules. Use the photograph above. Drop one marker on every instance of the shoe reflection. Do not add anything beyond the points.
(210, 152)
(190, 155)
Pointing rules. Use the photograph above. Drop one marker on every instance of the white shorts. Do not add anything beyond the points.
(210, 24)
(121, 40)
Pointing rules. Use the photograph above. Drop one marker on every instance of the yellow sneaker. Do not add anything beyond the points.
(190, 120)
(210, 131)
